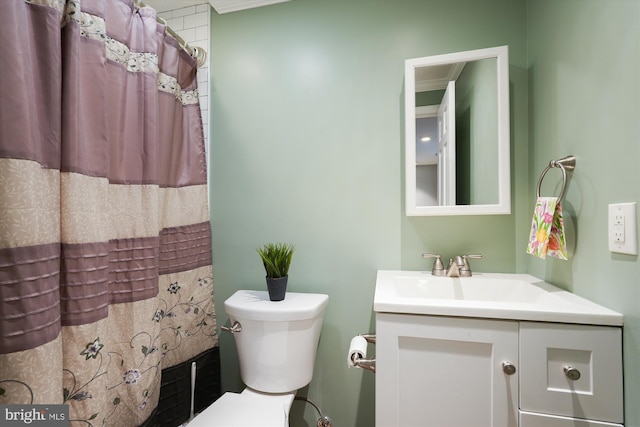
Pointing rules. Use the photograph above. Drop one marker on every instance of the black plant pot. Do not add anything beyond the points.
(277, 287)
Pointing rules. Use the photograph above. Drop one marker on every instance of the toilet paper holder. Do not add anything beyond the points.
(363, 362)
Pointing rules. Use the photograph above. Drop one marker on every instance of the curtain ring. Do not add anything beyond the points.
(554, 164)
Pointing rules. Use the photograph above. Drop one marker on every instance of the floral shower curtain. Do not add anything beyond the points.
(106, 293)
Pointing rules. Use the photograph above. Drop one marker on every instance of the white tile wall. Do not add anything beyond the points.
(192, 24)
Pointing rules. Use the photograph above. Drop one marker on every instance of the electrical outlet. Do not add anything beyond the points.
(618, 226)
(622, 228)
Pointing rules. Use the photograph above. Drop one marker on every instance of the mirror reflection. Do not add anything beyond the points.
(457, 133)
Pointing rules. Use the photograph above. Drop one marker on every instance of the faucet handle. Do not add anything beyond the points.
(466, 263)
(438, 267)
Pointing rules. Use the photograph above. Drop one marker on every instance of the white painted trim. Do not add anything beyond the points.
(504, 180)
(226, 6)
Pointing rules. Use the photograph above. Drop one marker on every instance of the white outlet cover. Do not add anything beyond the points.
(622, 228)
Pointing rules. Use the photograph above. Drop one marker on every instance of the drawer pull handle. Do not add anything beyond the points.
(572, 373)
(508, 368)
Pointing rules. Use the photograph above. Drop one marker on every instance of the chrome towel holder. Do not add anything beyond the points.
(565, 164)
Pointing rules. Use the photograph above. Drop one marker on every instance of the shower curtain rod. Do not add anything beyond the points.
(197, 52)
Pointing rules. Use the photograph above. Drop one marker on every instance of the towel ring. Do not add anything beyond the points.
(565, 164)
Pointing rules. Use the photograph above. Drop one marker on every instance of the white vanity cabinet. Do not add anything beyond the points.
(459, 371)
(445, 371)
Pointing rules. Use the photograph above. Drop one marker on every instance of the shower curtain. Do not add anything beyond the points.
(106, 292)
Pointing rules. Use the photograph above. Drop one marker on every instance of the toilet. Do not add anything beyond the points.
(276, 344)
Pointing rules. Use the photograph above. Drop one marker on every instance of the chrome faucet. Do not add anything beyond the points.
(456, 269)
(460, 267)
(438, 267)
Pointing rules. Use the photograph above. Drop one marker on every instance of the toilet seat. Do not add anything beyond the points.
(247, 409)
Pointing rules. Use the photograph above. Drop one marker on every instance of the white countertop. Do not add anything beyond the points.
(486, 295)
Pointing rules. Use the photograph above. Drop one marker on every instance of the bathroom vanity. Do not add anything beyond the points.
(493, 350)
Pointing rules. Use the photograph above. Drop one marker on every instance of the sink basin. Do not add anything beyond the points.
(488, 295)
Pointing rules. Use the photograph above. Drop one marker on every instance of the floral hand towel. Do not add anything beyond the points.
(547, 229)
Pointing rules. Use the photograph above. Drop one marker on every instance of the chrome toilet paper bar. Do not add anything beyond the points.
(371, 338)
(358, 352)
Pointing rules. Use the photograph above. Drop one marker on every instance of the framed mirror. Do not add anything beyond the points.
(457, 133)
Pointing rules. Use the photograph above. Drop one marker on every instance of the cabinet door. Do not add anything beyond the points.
(595, 352)
(528, 419)
(445, 371)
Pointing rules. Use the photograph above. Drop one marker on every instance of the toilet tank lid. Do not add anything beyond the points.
(255, 305)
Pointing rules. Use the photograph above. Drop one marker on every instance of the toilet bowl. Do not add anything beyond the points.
(277, 343)
(246, 409)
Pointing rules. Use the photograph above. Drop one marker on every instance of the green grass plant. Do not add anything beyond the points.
(276, 258)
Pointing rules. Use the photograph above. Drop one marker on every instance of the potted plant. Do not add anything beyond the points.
(276, 258)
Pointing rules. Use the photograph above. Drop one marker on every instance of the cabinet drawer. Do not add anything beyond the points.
(594, 351)
(528, 419)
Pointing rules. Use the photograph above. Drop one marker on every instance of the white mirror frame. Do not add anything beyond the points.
(503, 206)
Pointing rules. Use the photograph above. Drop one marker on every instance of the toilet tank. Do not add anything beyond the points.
(278, 342)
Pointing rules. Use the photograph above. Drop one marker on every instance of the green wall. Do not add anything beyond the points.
(477, 133)
(307, 147)
(584, 74)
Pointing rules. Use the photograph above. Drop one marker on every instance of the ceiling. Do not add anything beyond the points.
(220, 6)
(434, 77)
